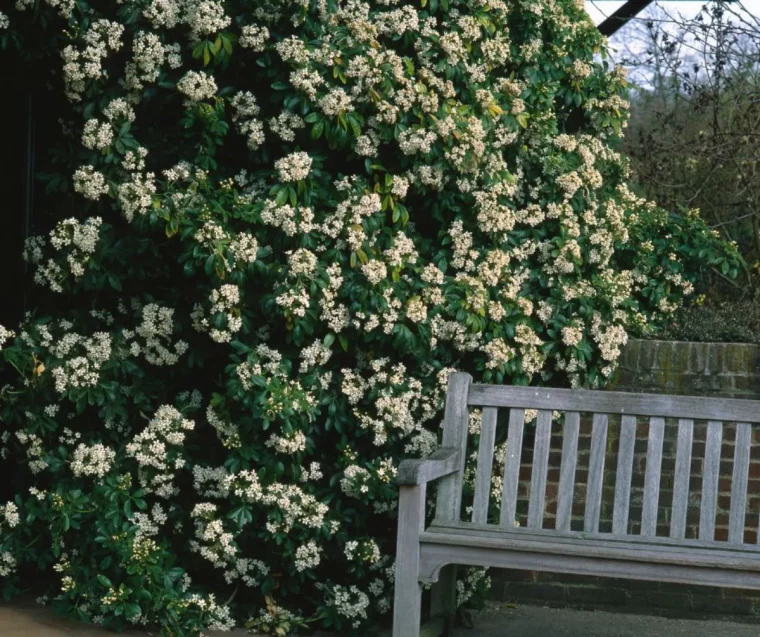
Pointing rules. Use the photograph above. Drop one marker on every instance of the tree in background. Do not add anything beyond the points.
(695, 124)
(274, 228)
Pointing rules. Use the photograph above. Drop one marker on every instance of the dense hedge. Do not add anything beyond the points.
(276, 227)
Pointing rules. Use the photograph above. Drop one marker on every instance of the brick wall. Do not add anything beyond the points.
(728, 370)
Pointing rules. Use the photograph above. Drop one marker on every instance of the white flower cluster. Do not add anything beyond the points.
(78, 240)
(152, 337)
(307, 556)
(5, 335)
(294, 167)
(7, 561)
(157, 450)
(92, 460)
(356, 481)
(398, 404)
(97, 135)
(350, 602)
(80, 358)
(206, 17)
(81, 65)
(136, 195)
(90, 183)
(253, 37)
(363, 551)
(289, 444)
(245, 109)
(224, 301)
(212, 541)
(197, 86)
(9, 515)
(34, 451)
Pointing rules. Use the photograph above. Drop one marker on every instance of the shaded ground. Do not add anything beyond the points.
(29, 620)
(535, 621)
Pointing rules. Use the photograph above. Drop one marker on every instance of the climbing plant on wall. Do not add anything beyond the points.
(275, 227)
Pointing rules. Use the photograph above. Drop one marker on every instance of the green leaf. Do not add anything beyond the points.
(114, 282)
(104, 580)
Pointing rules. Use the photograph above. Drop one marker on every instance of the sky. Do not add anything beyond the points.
(599, 9)
(625, 39)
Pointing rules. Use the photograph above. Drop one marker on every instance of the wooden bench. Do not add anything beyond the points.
(430, 554)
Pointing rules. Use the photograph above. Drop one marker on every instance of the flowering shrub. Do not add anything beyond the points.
(292, 220)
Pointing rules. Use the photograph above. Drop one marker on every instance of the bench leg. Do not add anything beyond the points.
(443, 601)
(407, 601)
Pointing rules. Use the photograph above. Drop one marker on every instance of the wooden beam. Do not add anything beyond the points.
(620, 18)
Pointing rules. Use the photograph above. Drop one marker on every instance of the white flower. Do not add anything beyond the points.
(302, 262)
(90, 183)
(5, 335)
(294, 167)
(119, 110)
(4, 21)
(253, 37)
(337, 101)
(94, 460)
(197, 86)
(206, 17)
(307, 556)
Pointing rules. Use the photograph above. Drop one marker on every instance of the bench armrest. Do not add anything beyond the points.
(438, 464)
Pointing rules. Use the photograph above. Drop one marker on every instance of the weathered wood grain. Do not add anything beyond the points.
(407, 601)
(624, 475)
(681, 480)
(609, 402)
(567, 470)
(537, 500)
(455, 421)
(485, 465)
(596, 473)
(512, 467)
(739, 479)
(438, 464)
(710, 476)
(652, 476)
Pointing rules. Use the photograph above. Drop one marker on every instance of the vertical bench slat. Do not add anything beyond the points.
(681, 480)
(512, 467)
(710, 480)
(567, 470)
(652, 477)
(455, 425)
(485, 466)
(623, 475)
(537, 501)
(595, 473)
(739, 479)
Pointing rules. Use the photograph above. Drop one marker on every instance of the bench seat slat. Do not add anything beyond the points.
(600, 548)
(710, 476)
(624, 474)
(681, 480)
(596, 473)
(740, 475)
(610, 402)
(434, 555)
(567, 470)
(512, 467)
(652, 476)
(485, 465)
(632, 541)
(537, 501)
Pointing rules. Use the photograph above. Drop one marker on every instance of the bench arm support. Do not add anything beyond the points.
(436, 465)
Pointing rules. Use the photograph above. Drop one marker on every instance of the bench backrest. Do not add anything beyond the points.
(632, 409)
